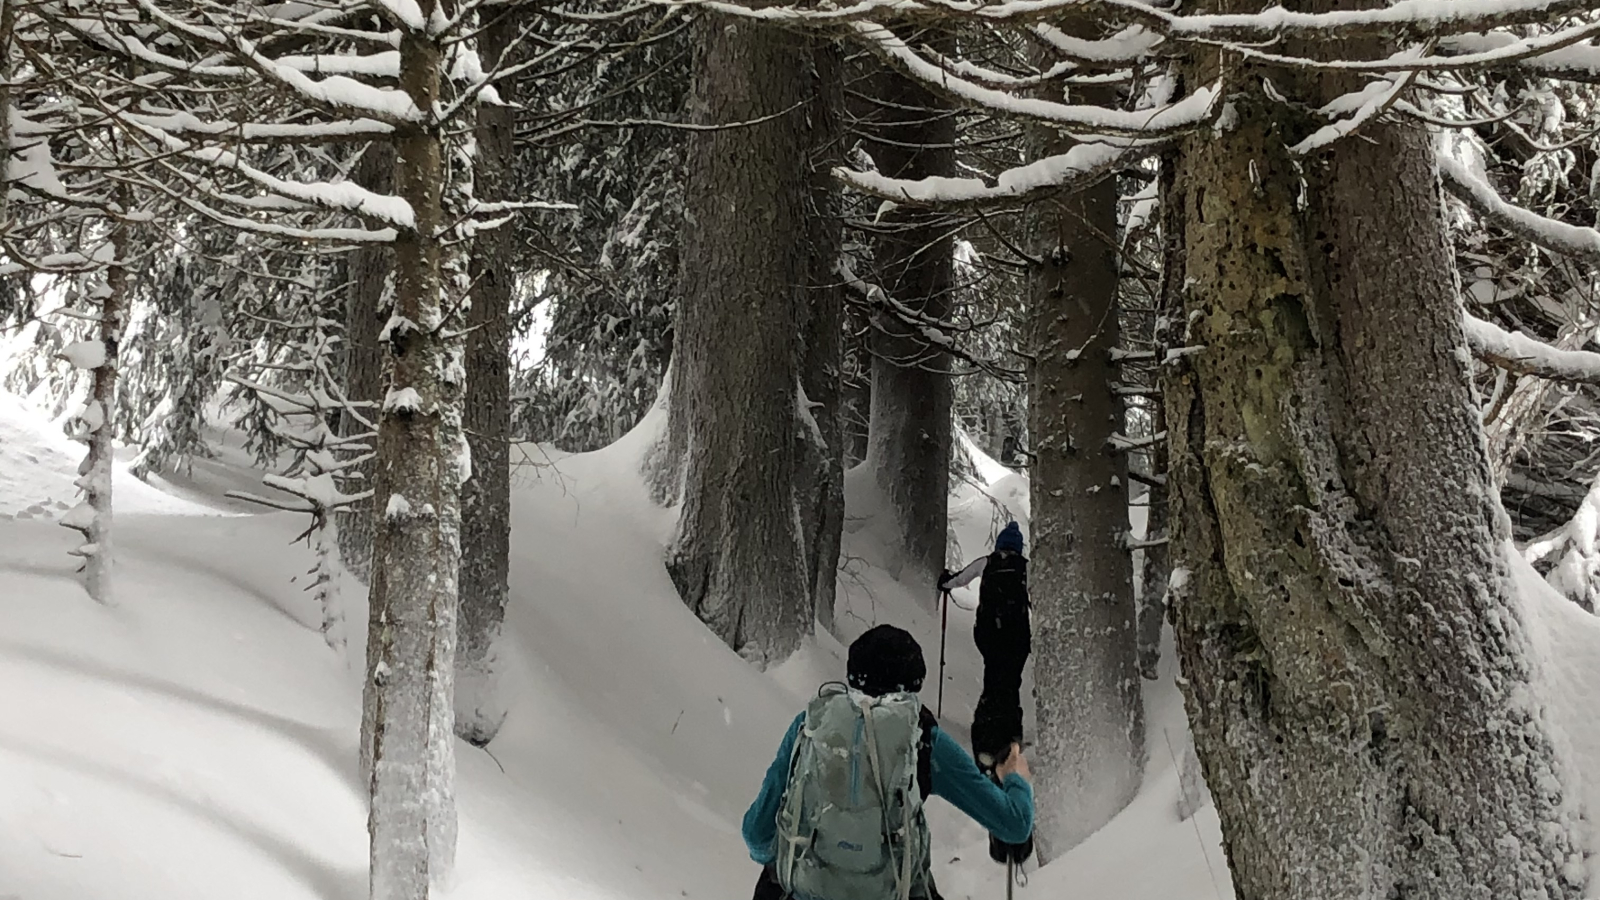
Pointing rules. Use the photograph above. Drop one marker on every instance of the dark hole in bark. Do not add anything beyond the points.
(1378, 730)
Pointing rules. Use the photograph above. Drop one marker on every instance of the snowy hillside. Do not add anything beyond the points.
(199, 740)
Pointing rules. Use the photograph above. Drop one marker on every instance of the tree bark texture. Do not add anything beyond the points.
(823, 335)
(1157, 563)
(368, 300)
(1356, 672)
(8, 18)
(912, 135)
(737, 558)
(421, 452)
(486, 418)
(93, 517)
(1167, 334)
(1086, 677)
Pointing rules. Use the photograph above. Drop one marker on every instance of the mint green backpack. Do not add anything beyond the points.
(851, 826)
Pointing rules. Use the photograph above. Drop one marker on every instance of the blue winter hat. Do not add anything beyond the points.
(1010, 538)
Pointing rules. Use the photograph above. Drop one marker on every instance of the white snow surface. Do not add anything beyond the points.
(199, 741)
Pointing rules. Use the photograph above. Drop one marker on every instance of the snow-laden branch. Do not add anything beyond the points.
(338, 93)
(1186, 114)
(1130, 45)
(1082, 166)
(1512, 53)
(1555, 236)
(1523, 355)
(344, 196)
(1362, 107)
(1412, 17)
(1576, 62)
(185, 123)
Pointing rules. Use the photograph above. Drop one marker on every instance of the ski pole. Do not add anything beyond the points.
(1010, 864)
(944, 626)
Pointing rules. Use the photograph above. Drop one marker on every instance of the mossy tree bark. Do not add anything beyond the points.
(1356, 670)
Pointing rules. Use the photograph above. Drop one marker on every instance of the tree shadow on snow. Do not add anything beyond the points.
(324, 879)
(323, 743)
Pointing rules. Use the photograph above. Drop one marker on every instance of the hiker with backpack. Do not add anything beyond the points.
(1004, 635)
(840, 812)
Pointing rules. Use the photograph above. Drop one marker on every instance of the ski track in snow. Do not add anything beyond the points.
(199, 740)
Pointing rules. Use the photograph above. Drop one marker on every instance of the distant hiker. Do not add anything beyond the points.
(1004, 637)
(840, 813)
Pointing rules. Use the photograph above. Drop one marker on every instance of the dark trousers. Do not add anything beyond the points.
(1004, 642)
(768, 888)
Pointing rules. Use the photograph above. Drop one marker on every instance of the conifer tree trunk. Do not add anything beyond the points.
(486, 497)
(1157, 562)
(908, 445)
(1090, 712)
(8, 18)
(421, 465)
(368, 301)
(96, 427)
(737, 558)
(1357, 671)
(824, 333)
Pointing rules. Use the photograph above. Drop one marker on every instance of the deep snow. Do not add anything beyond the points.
(199, 740)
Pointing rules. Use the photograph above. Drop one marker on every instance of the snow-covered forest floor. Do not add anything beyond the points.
(199, 739)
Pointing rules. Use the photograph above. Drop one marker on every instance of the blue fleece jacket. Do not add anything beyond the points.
(1007, 812)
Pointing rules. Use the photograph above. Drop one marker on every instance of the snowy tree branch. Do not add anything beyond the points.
(1558, 237)
(1523, 355)
(1083, 166)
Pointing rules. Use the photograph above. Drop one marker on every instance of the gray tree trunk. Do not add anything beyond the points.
(737, 558)
(1090, 710)
(368, 300)
(8, 18)
(908, 446)
(1356, 671)
(421, 452)
(486, 417)
(1158, 522)
(96, 428)
(823, 335)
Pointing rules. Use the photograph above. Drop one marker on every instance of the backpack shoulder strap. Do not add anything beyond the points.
(926, 723)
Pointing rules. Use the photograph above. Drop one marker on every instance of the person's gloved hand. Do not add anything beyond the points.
(944, 579)
(1016, 762)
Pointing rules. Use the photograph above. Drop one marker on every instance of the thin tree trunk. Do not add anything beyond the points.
(1158, 558)
(8, 18)
(737, 557)
(96, 427)
(486, 497)
(1090, 712)
(368, 301)
(1356, 669)
(908, 446)
(856, 399)
(421, 457)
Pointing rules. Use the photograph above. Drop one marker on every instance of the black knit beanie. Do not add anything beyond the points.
(885, 660)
